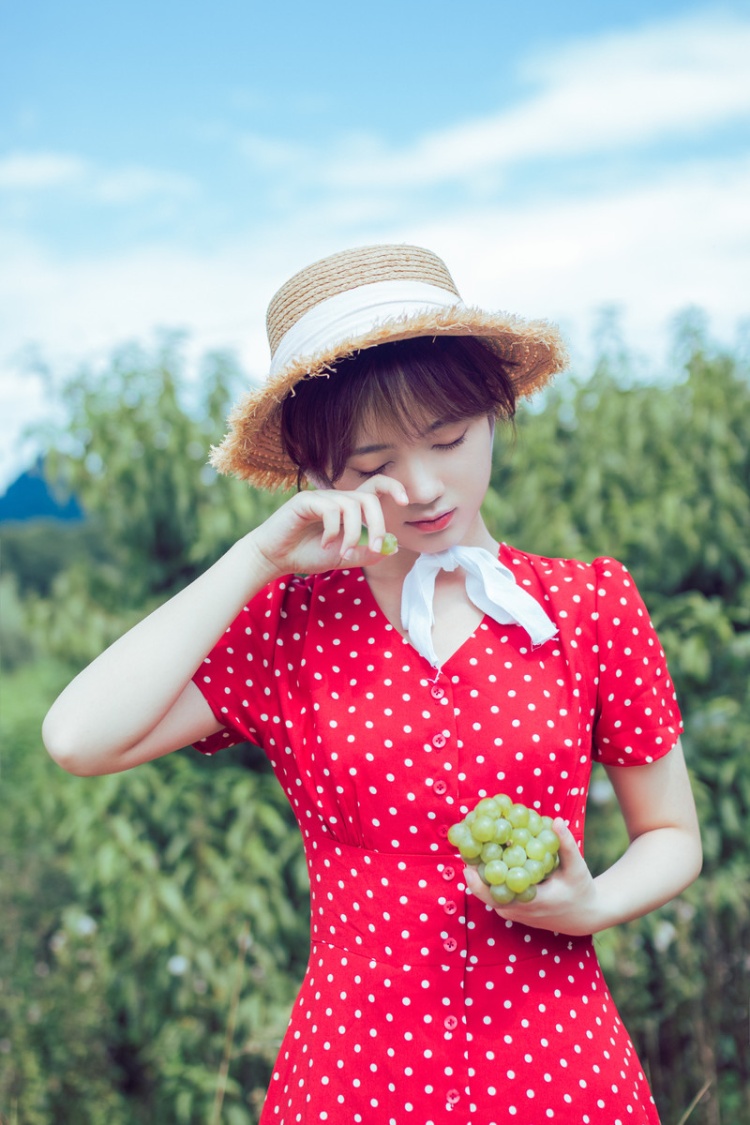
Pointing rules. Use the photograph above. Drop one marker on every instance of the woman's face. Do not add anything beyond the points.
(445, 472)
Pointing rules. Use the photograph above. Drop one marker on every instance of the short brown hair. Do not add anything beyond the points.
(408, 381)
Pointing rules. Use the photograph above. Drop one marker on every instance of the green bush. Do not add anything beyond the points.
(130, 904)
(147, 915)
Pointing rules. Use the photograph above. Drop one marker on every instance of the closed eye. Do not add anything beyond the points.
(372, 472)
(443, 446)
(453, 444)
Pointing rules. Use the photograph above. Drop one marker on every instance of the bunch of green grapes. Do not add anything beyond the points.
(512, 847)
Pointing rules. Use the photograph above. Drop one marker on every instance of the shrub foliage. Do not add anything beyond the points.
(155, 922)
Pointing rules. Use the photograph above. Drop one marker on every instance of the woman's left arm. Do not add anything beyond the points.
(664, 856)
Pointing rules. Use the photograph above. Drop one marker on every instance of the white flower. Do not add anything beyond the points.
(178, 965)
(664, 935)
(85, 926)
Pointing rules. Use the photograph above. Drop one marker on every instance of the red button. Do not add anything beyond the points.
(438, 740)
(449, 873)
(450, 945)
(450, 907)
(451, 1023)
(453, 1096)
(443, 830)
(440, 787)
(437, 692)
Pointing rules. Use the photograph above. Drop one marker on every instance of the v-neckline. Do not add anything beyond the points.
(405, 639)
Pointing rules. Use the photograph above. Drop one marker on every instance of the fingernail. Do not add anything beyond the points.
(347, 554)
(377, 544)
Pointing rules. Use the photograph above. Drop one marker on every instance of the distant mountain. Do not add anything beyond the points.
(29, 497)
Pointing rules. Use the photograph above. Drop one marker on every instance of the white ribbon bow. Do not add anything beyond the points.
(489, 585)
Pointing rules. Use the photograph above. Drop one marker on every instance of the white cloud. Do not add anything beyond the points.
(598, 96)
(132, 184)
(30, 171)
(38, 171)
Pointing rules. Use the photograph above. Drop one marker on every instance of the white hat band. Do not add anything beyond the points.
(355, 312)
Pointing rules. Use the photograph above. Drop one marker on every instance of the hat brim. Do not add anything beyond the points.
(533, 351)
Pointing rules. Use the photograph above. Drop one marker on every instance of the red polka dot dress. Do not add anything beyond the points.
(420, 1005)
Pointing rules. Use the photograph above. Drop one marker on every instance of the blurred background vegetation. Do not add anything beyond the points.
(154, 923)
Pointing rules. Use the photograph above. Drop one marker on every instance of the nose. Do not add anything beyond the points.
(422, 480)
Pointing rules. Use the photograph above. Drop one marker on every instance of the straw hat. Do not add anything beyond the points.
(355, 300)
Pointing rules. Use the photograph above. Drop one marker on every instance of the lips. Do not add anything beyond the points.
(437, 523)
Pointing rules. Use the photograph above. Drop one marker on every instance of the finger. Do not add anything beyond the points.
(372, 516)
(569, 850)
(331, 518)
(352, 520)
(382, 485)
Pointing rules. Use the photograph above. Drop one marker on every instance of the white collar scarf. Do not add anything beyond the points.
(490, 586)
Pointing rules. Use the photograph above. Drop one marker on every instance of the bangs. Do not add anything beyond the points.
(404, 385)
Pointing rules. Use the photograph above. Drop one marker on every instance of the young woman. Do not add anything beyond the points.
(392, 691)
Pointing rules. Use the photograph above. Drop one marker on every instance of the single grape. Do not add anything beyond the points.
(492, 851)
(495, 872)
(471, 850)
(549, 862)
(520, 836)
(504, 801)
(457, 833)
(518, 880)
(535, 869)
(483, 828)
(535, 825)
(550, 839)
(515, 856)
(527, 895)
(518, 815)
(502, 895)
(390, 542)
(535, 849)
(488, 806)
(503, 829)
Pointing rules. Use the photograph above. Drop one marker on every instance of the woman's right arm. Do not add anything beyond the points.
(137, 701)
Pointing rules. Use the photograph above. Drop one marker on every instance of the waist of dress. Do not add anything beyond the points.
(412, 910)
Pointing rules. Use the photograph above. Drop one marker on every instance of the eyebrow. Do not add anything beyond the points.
(422, 433)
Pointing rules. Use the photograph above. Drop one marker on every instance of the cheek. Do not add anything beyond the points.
(391, 512)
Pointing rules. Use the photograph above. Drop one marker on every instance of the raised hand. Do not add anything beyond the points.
(320, 530)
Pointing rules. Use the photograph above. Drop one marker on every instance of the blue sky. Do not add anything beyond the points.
(168, 165)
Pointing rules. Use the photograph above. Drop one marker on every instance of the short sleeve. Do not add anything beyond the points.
(637, 716)
(238, 677)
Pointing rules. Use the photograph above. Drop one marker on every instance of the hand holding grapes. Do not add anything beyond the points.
(565, 902)
(321, 530)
